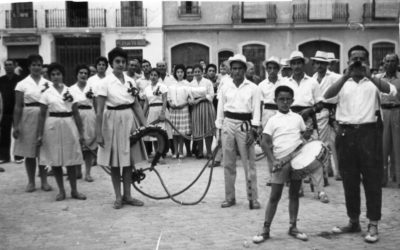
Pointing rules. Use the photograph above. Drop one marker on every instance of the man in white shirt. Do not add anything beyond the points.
(359, 139)
(326, 78)
(238, 118)
(391, 121)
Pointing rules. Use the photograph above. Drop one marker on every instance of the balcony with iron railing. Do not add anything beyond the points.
(238, 16)
(125, 18)
(22, 20)
(340, 14)
(189, 12)
(62, 18)
(369, 17)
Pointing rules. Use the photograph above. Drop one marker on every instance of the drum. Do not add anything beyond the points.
(310, 157)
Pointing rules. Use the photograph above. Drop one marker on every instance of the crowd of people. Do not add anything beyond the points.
(89, 122)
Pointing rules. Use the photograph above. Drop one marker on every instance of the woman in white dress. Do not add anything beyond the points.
(26, 116)
(88, 116)
(155, 106)
(60, 132)
(115, 124)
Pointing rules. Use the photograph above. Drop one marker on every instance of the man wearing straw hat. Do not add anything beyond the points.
(286, 70)
(238, 119)
(307, 102)
(325, 79)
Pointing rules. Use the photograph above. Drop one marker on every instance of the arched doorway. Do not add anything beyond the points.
(379, 51)
(189, 54)
(223, 56)
(255, 53)
(309, 49)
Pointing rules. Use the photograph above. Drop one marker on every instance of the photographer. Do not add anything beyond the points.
(359, 140)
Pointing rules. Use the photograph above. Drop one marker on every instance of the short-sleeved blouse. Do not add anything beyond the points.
(32, 90)
(149, 92)
(116, 92)
(55, 100)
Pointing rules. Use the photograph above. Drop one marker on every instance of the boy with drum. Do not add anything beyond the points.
(281, 137)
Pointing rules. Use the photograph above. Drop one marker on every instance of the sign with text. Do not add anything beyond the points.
(131, 42)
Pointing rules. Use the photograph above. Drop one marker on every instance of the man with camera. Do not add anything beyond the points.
(359, 140)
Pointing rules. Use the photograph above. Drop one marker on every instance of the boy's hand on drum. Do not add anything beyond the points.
(100, 140)
(276, 166)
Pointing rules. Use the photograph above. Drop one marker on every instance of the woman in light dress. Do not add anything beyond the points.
(88, 116)
(60, 132)
(26, 116)
(155, 106)
(122, 116)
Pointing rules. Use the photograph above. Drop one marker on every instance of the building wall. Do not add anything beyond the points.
(216, 30)
(109, 34)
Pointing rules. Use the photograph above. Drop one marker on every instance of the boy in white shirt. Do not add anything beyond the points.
(281, 137)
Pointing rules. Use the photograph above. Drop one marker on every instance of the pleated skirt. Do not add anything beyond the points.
(116, 130)
(180, 118)
(60, 143)
(203, 119)
(154, 114)
(88, 117)
(26, 144)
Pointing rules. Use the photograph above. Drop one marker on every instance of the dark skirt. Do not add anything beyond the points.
(203, 119)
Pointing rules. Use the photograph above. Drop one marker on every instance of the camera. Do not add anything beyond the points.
(357, 64)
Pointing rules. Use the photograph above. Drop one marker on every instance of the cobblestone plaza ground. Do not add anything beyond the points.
(36, 221)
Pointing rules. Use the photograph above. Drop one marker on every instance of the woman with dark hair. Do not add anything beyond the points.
(60, 132)
(211, 74)
(114, 125)
(101, 67)
(26, 116)
(88, 117)
(178, 97)
(155, 105)
(203, 113)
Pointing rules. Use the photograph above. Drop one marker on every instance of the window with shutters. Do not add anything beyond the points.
(22, 15)
(320, 10)
(385, 9)
(379, 51)
(132, 13)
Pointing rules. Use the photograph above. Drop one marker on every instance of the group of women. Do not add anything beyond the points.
(60, 126)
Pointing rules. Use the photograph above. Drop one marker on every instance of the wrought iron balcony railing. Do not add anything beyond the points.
(60, 18)
(125, 18)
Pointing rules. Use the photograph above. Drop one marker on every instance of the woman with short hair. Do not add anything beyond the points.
(88, 117)
(60, 132)
(203, 113)
(123, 115)
(26, 117)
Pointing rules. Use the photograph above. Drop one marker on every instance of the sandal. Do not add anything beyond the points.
(30, 188)
(294, 232)
(117, 204)
(89, 178)
(46, 187)
(133, 202)
(259, 238)
(60, 196)
(78, 196)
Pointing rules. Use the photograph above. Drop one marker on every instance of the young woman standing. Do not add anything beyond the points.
(26, 116)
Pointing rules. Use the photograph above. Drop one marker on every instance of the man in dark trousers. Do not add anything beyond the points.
(7, 86)
(359, 140)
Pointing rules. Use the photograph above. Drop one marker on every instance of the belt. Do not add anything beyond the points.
(204, 100)
(84, 107)
(270, 106)
(390, 106)
(155, 104)
(298, 109)
(329, 106)
(32, 104)
(120, 107)
(60, 114)
(238, 116)
(179, 107)
(357, 126)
